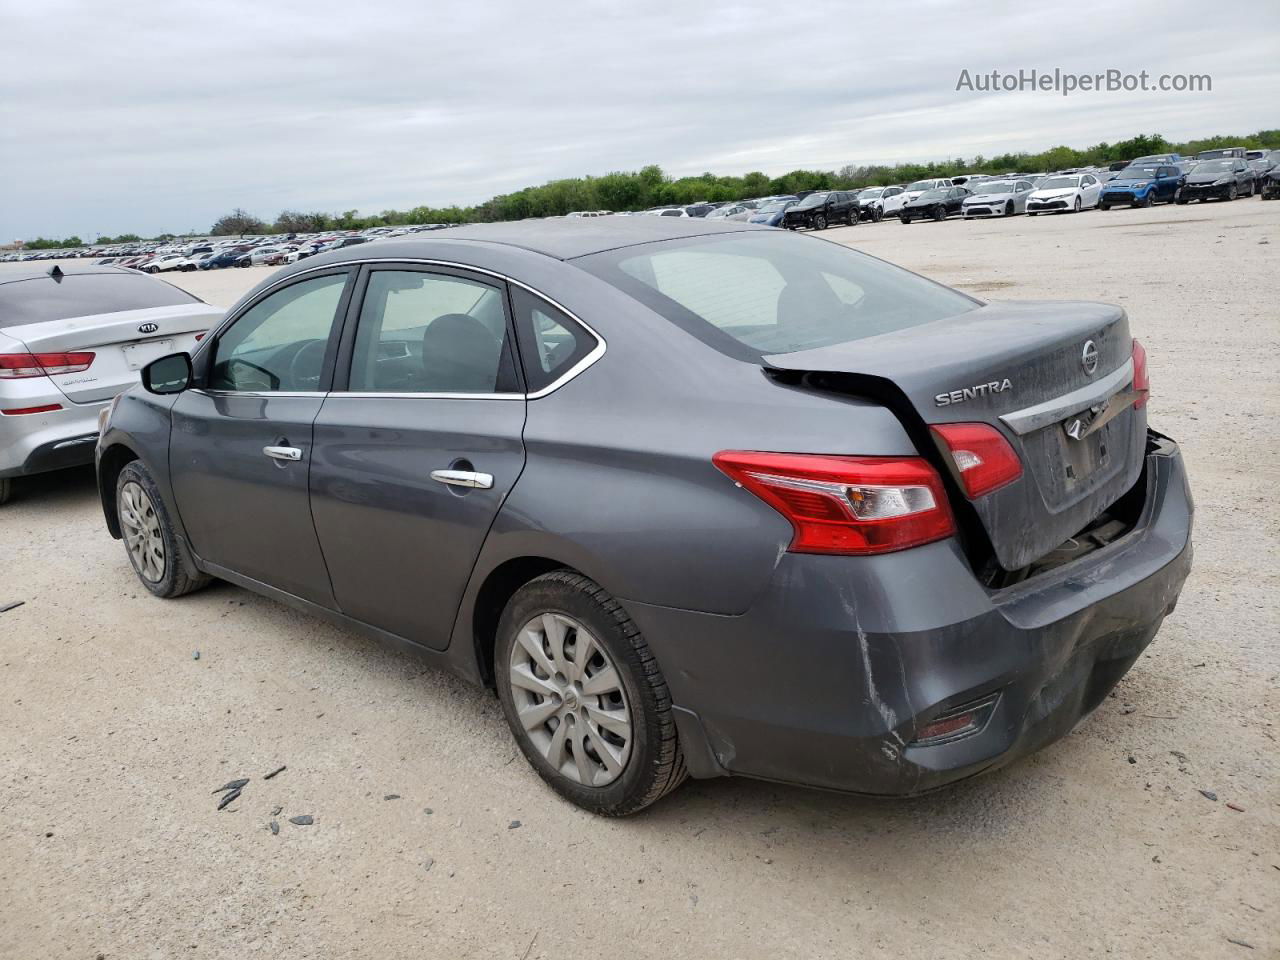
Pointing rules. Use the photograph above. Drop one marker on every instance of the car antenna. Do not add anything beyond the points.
(56, 272)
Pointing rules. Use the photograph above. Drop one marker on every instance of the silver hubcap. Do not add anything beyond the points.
(569, 699)
(141, 528)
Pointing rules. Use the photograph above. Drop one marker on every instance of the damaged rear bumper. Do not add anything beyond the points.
(832, 675)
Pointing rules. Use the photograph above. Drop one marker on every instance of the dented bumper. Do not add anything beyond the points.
(831, 675)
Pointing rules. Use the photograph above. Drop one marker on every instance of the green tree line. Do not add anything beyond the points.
(651, 187)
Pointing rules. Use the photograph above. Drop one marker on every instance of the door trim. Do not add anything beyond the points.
(577, 369)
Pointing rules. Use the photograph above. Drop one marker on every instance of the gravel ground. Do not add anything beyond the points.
(112, 736)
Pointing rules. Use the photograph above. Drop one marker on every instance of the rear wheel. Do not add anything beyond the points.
(584, 697)
(149, 537)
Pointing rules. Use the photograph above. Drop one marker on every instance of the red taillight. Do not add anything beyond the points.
(982, 456)
(848, 505)
(19, 411)
(1141, 380)
(16, 366)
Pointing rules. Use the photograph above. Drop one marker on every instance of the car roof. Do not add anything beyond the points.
(36, 273)
(563, 239)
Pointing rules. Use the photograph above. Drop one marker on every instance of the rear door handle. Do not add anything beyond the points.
(283, 453)
(464, 478)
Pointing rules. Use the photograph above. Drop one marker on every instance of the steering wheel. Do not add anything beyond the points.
(300, 377)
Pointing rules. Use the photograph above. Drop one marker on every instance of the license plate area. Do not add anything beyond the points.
(138, 355)
(1082, 456)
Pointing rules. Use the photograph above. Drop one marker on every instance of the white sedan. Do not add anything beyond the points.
(1070, 192)
(170, 261)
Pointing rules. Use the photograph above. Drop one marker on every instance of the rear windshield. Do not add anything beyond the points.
(752, 294)
(80, 295)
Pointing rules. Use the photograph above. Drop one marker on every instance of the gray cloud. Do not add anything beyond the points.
(161, 116)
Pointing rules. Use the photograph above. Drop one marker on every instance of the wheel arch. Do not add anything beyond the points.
(110, 462)
(492, 597)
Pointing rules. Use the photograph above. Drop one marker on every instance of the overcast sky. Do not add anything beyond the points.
(147, 117)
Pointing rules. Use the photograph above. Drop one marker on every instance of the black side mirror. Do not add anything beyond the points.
(171, 374)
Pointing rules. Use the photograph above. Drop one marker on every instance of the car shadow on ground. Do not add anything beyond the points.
(57, 489)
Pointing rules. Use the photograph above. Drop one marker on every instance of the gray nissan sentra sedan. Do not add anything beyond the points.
(695, 499)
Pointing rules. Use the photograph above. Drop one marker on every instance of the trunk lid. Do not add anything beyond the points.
(122, 343)
(1022, 368)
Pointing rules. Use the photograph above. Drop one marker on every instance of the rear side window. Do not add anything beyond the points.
(423, 332)
(551, 342)
(81, 295)
(754, 294)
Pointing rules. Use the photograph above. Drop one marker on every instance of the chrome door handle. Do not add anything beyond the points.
(464, 478)
(283, 453)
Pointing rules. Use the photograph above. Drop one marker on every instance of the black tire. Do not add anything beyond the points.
(1008, 208)
(905, 219)
(655, 765)
(1232, 192)
(1103, 206)
(938, 214)
(1077, 206)
(176, 579)
(819, 222)
(6, 490)
(1181, 199)
(1032, 213)
(877, 214)
(855, 214)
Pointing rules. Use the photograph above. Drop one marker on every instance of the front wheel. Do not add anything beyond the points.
(584, 697)
(1008, 208)
(877, 214)
(819, 222)
(938, 214)
(1232, 192)
(854, 215)
(6, 490)
(1103, 206)
(905, 219)
(149, 537)
(1075, 207)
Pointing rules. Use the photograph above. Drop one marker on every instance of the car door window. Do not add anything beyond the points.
(279, 344)
(421, 332)
(551, 342)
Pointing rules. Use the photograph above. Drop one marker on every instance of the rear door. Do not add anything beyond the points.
(240, 448)
(417, 445)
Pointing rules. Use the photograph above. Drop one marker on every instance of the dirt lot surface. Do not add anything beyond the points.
(112, 736)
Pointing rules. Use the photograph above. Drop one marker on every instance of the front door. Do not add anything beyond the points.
(416, 447)
(241, 441)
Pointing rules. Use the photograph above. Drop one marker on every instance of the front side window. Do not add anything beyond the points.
(551, 342)
(422, 332)
(279, 344)
(751, 295)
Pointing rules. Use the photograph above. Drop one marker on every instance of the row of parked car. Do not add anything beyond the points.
(1223, 174)
(212, 253)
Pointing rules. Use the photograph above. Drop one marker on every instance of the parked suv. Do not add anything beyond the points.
(1141, 185)
(694, 498)
(821, 209)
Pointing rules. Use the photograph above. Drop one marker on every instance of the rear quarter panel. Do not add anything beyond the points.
(619, 482)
